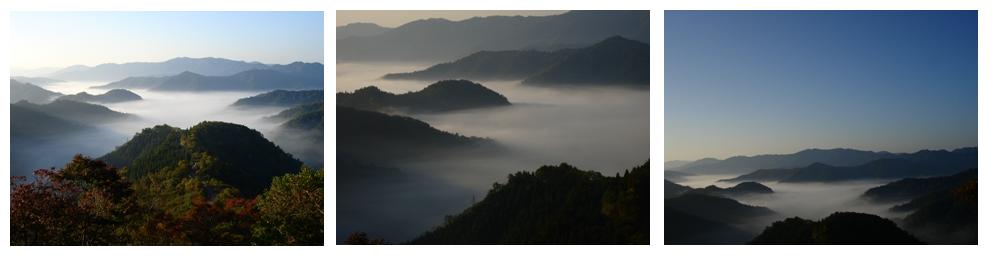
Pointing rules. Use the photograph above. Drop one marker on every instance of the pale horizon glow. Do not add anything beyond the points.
(62, 39)
(393, 18)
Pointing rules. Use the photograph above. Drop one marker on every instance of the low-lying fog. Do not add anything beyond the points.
(177, 109)
(603, 129)
(813, 201)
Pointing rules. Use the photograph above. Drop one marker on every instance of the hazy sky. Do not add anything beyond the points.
(759, 82)
(59, 39)
(397, 18)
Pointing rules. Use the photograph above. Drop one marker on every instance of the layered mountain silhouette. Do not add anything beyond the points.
(674, 189)
(27, 123)
(283, 98)
(112, 96)
(697, 218)
(841, 228)
(947, 216)
(746, 164)
(378, 137)
(39, 81)
(554, 205)
(925, 163)
(232, 153)
(30, 92)
(677, 176)
(359, 30)
(76, 111)
(613, 61)
(294, 76)
(742, 189)
(442, 96)
(117, 71)
(910, 188)
(436, 40)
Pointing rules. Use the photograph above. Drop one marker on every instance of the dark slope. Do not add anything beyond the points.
(613, 61)
(841, 228)
(30, 92)
(436, 40)
(910, 188)
(115, 71)
(31, 124)
(442, 96)
(746, 164)
(924, 163)
(686, 229)
(677, 176)
(301, 132)
(112, 96)
(741, 189)
(674, 189)
(232, 153)
(283, 98)
(717, 208)
(378, 137)
(948, 216)
(76, 111)
(555, 205)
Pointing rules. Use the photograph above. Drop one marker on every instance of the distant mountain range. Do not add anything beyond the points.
(359, 30)
(40, 81)
(112, 96)
(746, 164)
(925, 163)
(613, 61)
(29, 123)
(283, 98)
(378, 137)
(234, 154)
(294, 76)
(118, 71)
(841, 228)
(30, 92)
(677, 176)
(436, 40)
(555, 205)
(442, 96)
(910, 188)
(80, 112)
(741, 189)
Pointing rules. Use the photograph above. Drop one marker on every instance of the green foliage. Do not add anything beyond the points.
(283, 98)
(554, 205)
(292, 210)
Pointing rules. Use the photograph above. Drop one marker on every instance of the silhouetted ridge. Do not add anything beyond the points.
(442, 96)
(841, 228)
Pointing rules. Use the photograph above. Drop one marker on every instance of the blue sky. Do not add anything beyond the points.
(58, 39)
(761, 82)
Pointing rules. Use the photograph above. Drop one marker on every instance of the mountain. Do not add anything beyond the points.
(746, 164)
(675, 164)
(378, 137)
(717, 208)
(948, 216)
(283, 98)
(442, 96)
(554, 205)
(301, 132)
(294, 77)
(677, 176)
(112, 96)
(613, 61)
(686, 229)
(911, 188)
(359, 30)
(80, 112)
(30, 92)
(234, 154)
(114, 71)
(741, 189)
(39, 81)
(436, 40)
(925, 163)
(674, 189)
(30, 124)
(841, 228)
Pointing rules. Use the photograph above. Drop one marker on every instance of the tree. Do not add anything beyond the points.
(291, 211)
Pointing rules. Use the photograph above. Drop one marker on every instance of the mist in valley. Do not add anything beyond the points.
(176, 109)
(603, 129)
